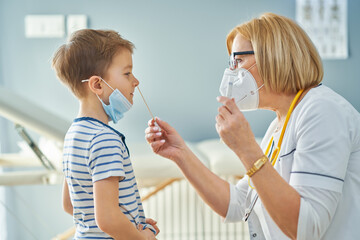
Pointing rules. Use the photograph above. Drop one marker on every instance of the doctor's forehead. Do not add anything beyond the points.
(241, 44)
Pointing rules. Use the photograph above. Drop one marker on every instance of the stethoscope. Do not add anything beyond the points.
(275, 153)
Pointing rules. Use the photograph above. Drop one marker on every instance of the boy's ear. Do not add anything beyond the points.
(96, 85)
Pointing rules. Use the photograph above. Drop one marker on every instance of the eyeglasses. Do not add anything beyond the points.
(233, 63)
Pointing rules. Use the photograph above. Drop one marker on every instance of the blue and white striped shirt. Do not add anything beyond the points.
(94, 151)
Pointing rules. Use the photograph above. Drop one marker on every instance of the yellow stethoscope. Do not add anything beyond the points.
(275, 154)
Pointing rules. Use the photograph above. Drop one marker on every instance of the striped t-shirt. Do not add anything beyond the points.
(94, 151)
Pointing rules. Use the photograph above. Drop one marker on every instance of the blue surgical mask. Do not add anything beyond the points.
(118, 104)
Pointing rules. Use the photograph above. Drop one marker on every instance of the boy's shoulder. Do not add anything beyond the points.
(90, 135)
(92, 129)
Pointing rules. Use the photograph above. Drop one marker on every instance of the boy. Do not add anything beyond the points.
(100, 189)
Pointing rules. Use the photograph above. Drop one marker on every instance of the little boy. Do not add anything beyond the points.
(100, 189)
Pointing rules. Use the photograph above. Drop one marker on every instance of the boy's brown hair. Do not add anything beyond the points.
(87, 53)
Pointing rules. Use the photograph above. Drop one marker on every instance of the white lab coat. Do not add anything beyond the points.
(320, 158)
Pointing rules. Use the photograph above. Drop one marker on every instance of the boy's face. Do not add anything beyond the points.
(119, 74)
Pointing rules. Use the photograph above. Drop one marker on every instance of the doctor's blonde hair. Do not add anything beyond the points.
(286, 58)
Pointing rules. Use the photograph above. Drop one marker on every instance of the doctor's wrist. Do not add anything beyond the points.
(257, 165)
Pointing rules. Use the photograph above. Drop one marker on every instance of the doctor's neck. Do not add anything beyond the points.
(284, 103)
(279, 103)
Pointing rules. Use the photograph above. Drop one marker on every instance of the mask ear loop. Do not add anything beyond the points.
(107, 83)
(87, 80)
(251, 67)
(253, 92)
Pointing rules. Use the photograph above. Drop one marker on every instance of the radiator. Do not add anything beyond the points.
(182, 215)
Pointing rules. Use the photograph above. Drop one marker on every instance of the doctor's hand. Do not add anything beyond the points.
(235, 131)
(164, 140)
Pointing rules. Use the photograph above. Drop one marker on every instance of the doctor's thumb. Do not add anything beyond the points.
(163, 125)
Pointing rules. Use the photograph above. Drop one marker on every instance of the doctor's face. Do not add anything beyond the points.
(246, 61)
(240, 44)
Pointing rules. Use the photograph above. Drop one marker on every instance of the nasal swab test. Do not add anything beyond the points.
(152, 116)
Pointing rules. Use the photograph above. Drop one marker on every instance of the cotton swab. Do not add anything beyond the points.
(152, 116)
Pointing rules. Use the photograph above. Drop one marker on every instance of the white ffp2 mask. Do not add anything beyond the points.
(240, 85)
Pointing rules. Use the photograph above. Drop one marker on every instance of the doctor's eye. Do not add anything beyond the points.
(238, 62)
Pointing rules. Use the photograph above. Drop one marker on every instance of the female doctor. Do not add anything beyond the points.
(303, 181)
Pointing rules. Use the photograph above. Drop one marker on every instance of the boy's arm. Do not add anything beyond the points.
(67, 206)
(109, 218)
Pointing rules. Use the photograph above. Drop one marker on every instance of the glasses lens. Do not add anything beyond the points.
(232, 62)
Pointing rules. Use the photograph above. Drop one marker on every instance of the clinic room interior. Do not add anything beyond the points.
(179, 59)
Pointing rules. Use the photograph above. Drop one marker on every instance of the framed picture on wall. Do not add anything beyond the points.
(325, 21)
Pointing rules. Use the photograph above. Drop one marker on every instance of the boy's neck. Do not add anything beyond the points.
(93, 108)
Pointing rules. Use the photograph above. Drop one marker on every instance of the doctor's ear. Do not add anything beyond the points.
(95, 85)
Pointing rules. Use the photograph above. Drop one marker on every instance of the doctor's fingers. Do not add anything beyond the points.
(217, 127)
(219, 119)
(225, 117)
(151, 122)
(153, 129)
(152, 137)
(156, 145)
(224, 112)
(229, 124)
(229, 104)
